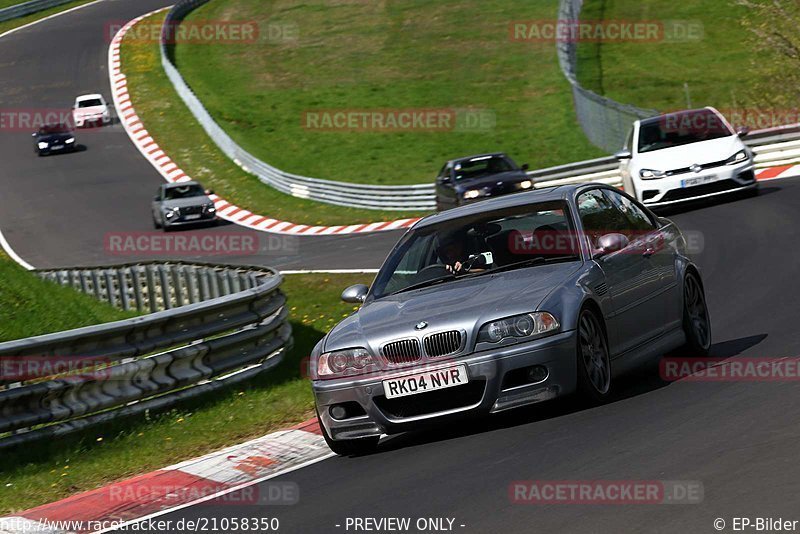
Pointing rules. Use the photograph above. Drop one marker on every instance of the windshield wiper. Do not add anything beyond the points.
(426, 283)
(530, 262)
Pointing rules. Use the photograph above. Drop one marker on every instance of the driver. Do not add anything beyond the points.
(451, 249)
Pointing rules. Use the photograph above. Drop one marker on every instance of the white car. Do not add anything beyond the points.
(684, 156)
(89, 110)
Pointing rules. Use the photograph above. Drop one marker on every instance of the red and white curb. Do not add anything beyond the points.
(210, 478)
(172, 173)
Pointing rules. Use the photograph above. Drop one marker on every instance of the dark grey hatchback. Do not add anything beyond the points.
(506, 303)
(465, 180)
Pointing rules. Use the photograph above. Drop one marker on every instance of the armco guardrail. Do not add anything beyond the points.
(21, 10)
(405, 197)
(216, 325)
(604, 121)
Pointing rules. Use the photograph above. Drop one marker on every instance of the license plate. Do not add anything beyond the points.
(700, 180)
(56, 147)
(192, 216)
(427, 381)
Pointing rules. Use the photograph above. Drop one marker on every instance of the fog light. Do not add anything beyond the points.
(537, 373)
(338, 412)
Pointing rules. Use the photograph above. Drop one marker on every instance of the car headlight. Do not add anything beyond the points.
(651, 174)
(210, 208)
(171, 213)
(525, 184)
(472, 193)
(737, 158)
(519, 327)
(43, 145)
(70, 140)
(349, 361)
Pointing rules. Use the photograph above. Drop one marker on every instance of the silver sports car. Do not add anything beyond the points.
(506, 303)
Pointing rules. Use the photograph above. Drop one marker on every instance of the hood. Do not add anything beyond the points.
(464, 304)
(186, 202)
(491, 180)
(687, 155)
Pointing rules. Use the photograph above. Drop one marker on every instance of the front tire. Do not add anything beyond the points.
(349, 447)
(594, 364)
(696, 322)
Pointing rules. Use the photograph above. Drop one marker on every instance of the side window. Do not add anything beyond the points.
(599, 216)
(638, 221)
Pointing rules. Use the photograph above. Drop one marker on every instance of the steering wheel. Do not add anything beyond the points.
(435, 270)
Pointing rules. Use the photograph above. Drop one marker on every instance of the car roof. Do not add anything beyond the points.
(547, 194)
(89, 97)
(656, 118)
(179, 184)
(467, 158)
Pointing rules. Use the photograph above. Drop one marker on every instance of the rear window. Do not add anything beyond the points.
(90, 103)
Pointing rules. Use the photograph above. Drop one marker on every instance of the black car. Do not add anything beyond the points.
(53, 138)
(473, 178)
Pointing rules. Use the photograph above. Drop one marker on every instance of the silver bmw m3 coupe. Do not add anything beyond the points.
(506, 303)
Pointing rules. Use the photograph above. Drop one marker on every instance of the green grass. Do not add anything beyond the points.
(44, 472)
(16, 23)
(30, 306)
(720, 69)
(394, 54)
(172, 125)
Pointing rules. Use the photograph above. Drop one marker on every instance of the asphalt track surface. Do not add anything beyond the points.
(740, 440)
(57, 211)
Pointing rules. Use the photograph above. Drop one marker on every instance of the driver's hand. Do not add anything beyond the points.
(455, 268)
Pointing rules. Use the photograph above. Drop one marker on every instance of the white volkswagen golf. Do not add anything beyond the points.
(684, 156)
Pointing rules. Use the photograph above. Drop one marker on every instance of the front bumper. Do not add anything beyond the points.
(673, 190)
(81, 122)
(485, 393)
(181, 220)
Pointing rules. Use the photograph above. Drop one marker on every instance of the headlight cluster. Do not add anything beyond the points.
(209, 208)
(525, 184)
(43, 145)
(473, 193)
(70, 140)
(651, 174)
(358, 360)
(526, 326)
(172, 212)
(737, 158)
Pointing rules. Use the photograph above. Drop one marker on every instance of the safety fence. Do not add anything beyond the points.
(27, 8)
(209, 326)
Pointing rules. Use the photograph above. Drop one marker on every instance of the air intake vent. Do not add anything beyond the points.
(405, 351)
(601, 289)
(443, 343)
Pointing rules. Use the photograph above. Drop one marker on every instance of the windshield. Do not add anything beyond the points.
(677, 129)
(92, 102)
(184, 191)
(54, 129)
(479, 244)
(482, 166)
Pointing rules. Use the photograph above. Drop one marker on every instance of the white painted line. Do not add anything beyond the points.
(70, 10)
(123, 526)
(331, 271)
(14, 256)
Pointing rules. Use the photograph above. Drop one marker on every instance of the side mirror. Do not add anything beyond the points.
(355, 294)
(743, 131)
(623, 154)
(443, 179)
(525, 166)
(610, 243)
